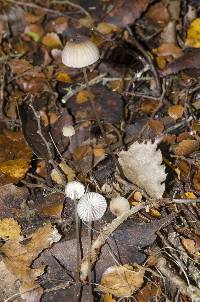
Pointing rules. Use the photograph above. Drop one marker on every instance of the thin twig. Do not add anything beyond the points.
(92, 82)
(75, 5)
(190, 291)
(32, 5)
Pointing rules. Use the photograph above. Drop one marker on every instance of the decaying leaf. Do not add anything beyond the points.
(121, 281)
(125, 12)
(176, 111)
(191, 246)
(108, 298)
(156, 125)
(151, 291)
(142, 165)
(67, 170)
(193, 37)
(8, 284)
(196, 180)
(52, 40)
(11, 198)
(15, 156)
(9, 228)
(190, 60)
(186, 146)
(18, 257)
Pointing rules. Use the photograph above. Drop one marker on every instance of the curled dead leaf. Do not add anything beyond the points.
(121, 281)
(186, 147)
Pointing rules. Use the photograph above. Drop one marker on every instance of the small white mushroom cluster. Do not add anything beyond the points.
(91, 206)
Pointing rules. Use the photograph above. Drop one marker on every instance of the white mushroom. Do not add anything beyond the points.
(74, 190)
(91, 207)
(68, 131)
(119, 205)
(80, 53)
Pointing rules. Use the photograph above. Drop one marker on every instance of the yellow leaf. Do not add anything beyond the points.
(18, 257)
(83, 96)
(155, 213)
(15, 169)
(176, 111)
(193, 34)
(99, 151)
(121, 281)
(190, 195)
(68, 171)
(108, 298)
(52, 40)
(63, 77)
(9, 228)
(106, 28)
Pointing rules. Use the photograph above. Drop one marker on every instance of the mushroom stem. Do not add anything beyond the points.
(77, 242)
(89, 260)
(100, 125)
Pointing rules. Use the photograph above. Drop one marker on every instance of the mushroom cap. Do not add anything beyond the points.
(91, 206)
(119, 205)
(80, 53)
(68, 131)
(74, 190)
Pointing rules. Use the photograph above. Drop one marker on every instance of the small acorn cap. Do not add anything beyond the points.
(80, 53)
(119, 205)
(68, 131)
(91, 206)
(74, 190)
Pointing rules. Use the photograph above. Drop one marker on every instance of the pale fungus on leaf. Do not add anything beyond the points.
(119, 205)
(74, 190)
(91, 207)
(80, 53)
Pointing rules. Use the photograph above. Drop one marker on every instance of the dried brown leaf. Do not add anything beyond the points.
(52, 40)
(18, 256)
(121, 281)
(176, 111)
(186, 147)
(156, 125)
(126, 12)
(190, 60)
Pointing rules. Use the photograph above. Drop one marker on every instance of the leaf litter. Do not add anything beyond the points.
(139, 140)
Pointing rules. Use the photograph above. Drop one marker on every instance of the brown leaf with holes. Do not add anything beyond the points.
(126, 12)
(18, 257)
(186, 147)
(176, 111)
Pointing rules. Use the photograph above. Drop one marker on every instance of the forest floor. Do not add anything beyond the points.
(130, 132)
